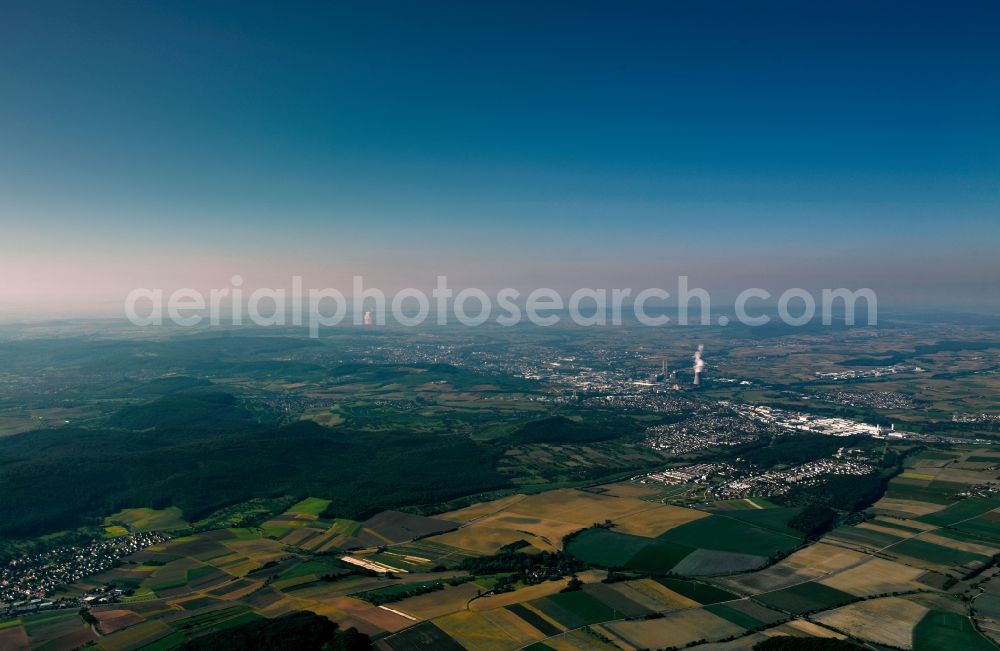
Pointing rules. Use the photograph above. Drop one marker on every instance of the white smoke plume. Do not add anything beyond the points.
(699, 365)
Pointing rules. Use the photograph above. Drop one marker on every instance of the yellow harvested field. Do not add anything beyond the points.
(517, 628)
(592, 576)
(577, 641)
(377, 619)
(475, 631)
(487, 540)
(888, 621)
(652, 595)
(906, 507)
(813, 562)
(629, 489)
(480, 509)
(135, 636)
(438, 603)
(616, 640)
(821, 558)
(910, 474)
(656, 520)
(876, 576)
(802, 628)
(550, 531)
(543, 520)
(240, 568)
(523, 594)
(959, 544)
(892, 531)
(577, 506)
(678, 629)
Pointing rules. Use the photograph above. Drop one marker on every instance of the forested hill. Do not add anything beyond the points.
(58, 479)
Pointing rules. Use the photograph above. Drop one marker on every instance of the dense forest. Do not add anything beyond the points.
(207, 454)
(559, 429)
(794, 450)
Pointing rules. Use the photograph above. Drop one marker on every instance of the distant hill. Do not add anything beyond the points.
(59, 479)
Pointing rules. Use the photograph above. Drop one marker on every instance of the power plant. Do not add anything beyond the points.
(699, 365)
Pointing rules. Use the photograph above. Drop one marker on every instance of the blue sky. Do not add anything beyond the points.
(560, 144)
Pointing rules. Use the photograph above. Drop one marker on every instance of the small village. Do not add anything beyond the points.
(29, 583)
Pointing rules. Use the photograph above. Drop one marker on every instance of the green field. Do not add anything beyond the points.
(940, 630)
(805, 598)
(575, 609)
(938, 554)
(199, 602)
(309, 506)
(199, 572)
(964, 510)
(168, 585)
(34, 621)
(709, 562)
(606, 548)
(732, 615)
(895, 525)
(725, 533)
(167, 643)
(867, 537)
(984, 529)
(773, 519)
(318, 566)
(936, 492)
(658, 558)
